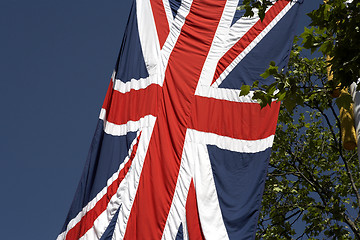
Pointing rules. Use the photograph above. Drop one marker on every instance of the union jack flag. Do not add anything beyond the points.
(177, 154)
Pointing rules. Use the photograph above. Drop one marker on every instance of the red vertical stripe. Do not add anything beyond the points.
(161, 165)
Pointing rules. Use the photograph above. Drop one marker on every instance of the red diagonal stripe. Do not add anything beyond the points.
(245, 121)
(161, 22)
(192, 215)
(253, 32)
(87, 221)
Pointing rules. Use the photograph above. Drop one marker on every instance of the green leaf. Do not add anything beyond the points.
(262, 98)
(245, 89)
(255, 84)
(281, 95)
(270, 90)
(326, 47)
(344, 101)
(290, 103)
(272, 70)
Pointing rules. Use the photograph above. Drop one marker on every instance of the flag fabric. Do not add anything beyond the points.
(177, 154)
(356, 111)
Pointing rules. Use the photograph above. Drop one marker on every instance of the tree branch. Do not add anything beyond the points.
(353, 185)
(283, 174)
(348, 171)
(352, 225)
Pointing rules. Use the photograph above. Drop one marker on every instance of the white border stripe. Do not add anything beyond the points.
(133, 84)
(151, 47)
(175, 30)
(241, 56)
(126, 191)
(145, 125)
(210, 215)
(232, 144)
(102, 222)
(93, 202)
(195, 163)
(217, 46)
(168, 12)
(232, 95)
(241, 27)
(177, 213)
(209, 209)
(148, 35)
(130, 126)
(130, 183)
(238, 30)
(204, 87)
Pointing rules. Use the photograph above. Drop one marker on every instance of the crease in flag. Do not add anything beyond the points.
(177, 154)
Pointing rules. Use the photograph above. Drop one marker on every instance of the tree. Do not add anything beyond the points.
(313, 184)
(335, 33)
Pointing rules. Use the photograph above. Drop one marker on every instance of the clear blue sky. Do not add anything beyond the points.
(56, 58)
